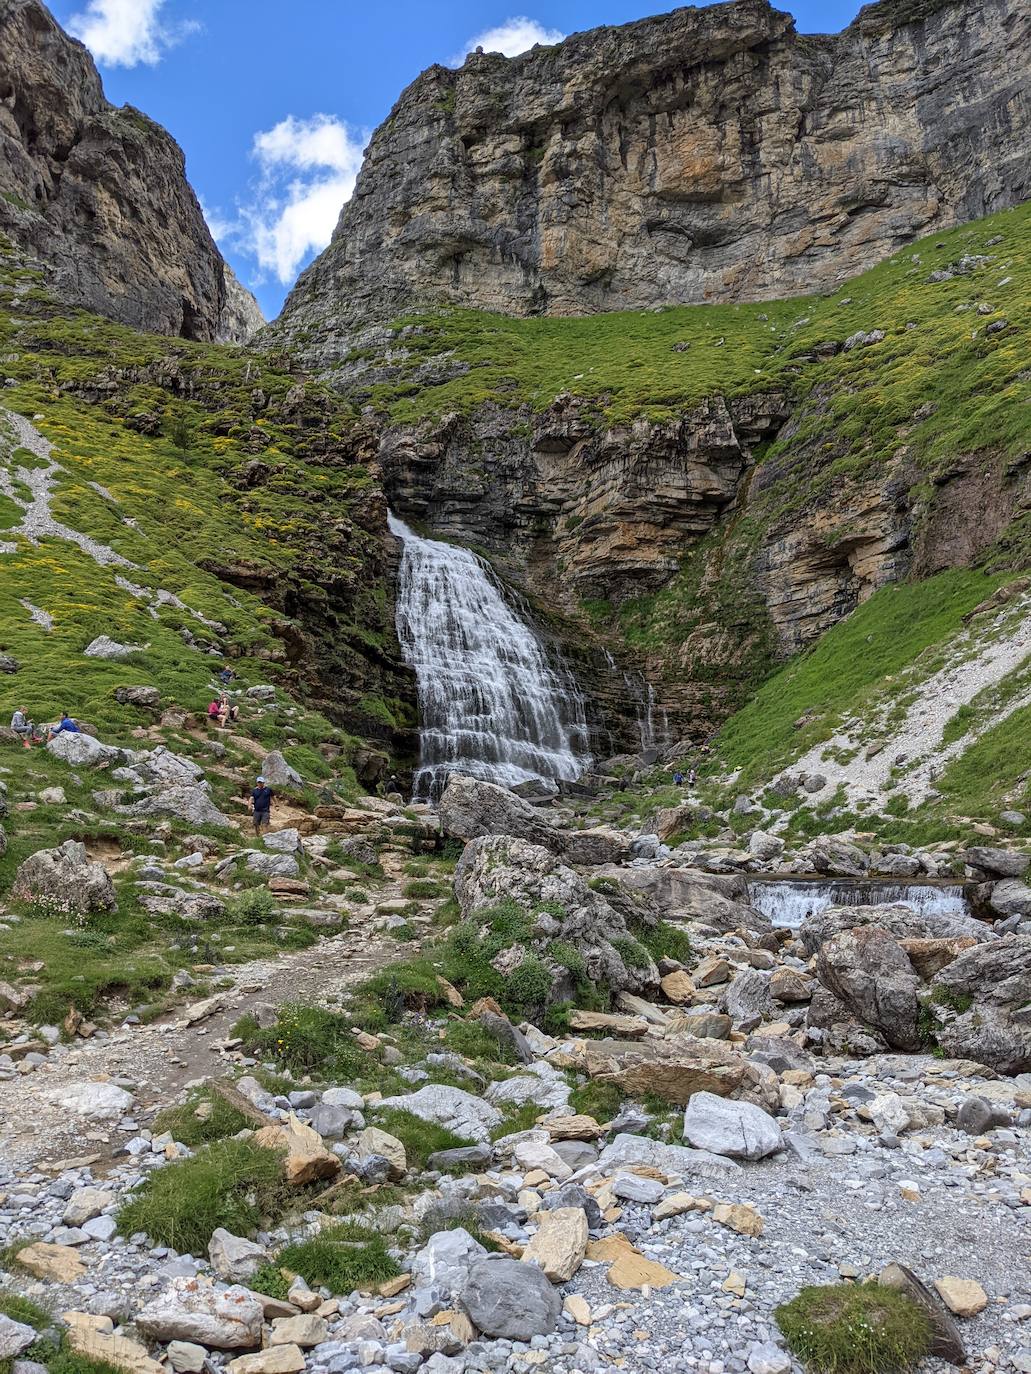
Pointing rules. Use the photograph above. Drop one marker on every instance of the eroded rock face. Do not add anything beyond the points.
(706, 154)
(100, 193)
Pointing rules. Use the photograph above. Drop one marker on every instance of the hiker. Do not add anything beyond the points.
(678, 779)
(214, 712)
(23, 727)
(692, 777)
(226, 676)
(226, 710)
(261, 804)
(67, 726)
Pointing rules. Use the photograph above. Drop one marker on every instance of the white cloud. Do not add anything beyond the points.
(308, 169)
(124, 33)
(511, 37)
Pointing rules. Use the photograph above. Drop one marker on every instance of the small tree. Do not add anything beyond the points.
(179, 428)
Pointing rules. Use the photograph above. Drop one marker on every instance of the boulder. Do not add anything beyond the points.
(498, 868)
(470, 809)
(444, 1261)
(790, 985)
(462, 1112)
(184, 802)
(509, 1300)
(680, 893)
(85, 1204)
(748, 996)
(277, 1359)
(1000, 863)
(233, 1258)
(306, 1330)
(559, 1244)
(305, 1157)
(898, 921)
(541, 1084)
(283, 841)
(837, 858)
(278, 773)
(765, 847)
(56, 1263)
(871, 975)
(963, 1297)
(14, 1337)
(193, 1309)
(676, 1069)
(671, 1159)
(979, 1004)
(1010, 897)
(272, 865)
(105, 647)
(147, 697)
(373, 1142)
(82, 751)
(93, 1338)
(65, 877)
(929, 957)
(95, 1101)
(737, 1129)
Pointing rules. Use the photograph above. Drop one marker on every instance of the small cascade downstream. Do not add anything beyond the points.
(490, 703)
(789, 903)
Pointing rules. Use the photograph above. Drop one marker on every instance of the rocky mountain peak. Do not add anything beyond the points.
(702, 155)
(99, 194)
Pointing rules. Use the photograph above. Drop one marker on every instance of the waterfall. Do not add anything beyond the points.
(490, 704)
(789, 903)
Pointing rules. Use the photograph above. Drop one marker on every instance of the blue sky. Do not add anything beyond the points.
(273, 100)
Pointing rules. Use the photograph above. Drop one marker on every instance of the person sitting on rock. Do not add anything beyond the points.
(214, 712)
(261, 805)
(227, 712)
(23, 727)
(226, 676)
(67, 726)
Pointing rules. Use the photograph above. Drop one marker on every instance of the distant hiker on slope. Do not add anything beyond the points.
(261, 805)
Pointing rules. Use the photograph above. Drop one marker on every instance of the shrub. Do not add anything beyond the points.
(664, 941)
(424, 889)
(232, 1183)
(475, 1041)
(849, 1328)
(311, 1039)
(253, 908)
(631, 951)
(271, 1281)
(344, 1257)
(600, 1100)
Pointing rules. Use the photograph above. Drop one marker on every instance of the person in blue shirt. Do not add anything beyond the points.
(261, 804)
(68, 726)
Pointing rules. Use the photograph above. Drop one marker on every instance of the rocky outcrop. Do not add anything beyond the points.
(702, 155)
(99, 194)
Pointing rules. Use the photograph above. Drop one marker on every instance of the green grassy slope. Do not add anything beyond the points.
(168, 428)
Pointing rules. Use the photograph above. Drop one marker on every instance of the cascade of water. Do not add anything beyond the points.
(790, 903)
(490, 704)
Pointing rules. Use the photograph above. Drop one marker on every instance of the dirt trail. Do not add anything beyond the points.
(162, 1058)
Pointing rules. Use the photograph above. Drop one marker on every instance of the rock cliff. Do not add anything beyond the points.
(100, 194)
(702, 155)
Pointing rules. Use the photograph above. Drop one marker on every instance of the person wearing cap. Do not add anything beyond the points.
(261, 804)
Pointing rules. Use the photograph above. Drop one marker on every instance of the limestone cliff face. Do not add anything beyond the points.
(100, 195)
(703, 155)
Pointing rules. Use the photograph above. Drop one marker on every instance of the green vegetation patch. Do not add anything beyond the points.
(855, 1329)
(343, 1257)
(231, 1183)
(420, 1138)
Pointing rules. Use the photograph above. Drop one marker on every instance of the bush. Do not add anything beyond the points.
(343, 1257)
(663, 941)
(451, 1217)
(424, 889)
(311, 1040)
(600, 1100)
(849, 1328)
(254, 908)
(271, 1281)
(631, 951)
(232, 1183)
(475, 1041)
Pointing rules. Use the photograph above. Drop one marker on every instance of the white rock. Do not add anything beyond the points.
(444, 1260)
(283, 841)
(233, 1258)
(194, 1310)
(738, 1129)
(634, 1188)
(97, 1101)
(462, 1112)
(537, 1154)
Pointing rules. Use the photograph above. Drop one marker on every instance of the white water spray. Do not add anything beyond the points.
(790, 903)
(490, 704)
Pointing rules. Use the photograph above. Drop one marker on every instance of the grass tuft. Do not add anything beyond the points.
(855, 1329)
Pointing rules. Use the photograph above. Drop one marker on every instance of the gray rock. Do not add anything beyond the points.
(65, 877)
(192, 1310)
(81, 750)
(573, 1195)
(1010, 897)
(233, 1258)
(272, 865)
(445, 1260)
(180, 801)
(634, 1188)
(465, 1157)
(672, 1159)
(464, 1113)
(341, 1097)
(738, 1129)
(979, 1003)
(148, 697)
(283, 841)
(104, 647)
(748, 996)
(14, 1337)
(1002, 863)
(333, 1123)
(872, 976)
(975, 1115)
(278, 773)
(509, 1300)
